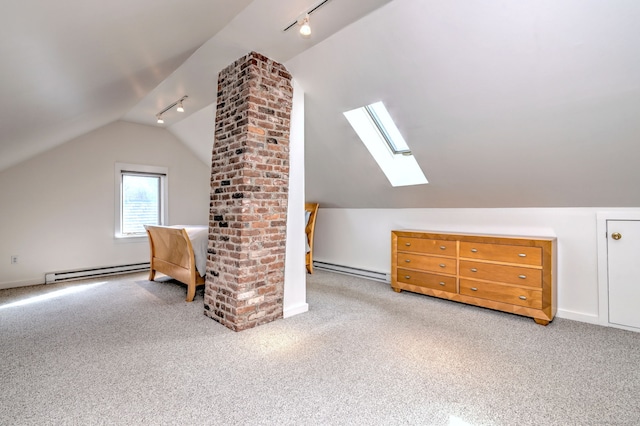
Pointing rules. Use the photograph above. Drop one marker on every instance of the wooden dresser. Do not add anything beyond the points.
(513, 274)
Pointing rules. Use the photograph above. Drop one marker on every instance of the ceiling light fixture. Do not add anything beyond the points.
(305, 28)
(303, 20)
(177, 103)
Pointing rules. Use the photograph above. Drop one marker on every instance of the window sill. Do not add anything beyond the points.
(136, 237)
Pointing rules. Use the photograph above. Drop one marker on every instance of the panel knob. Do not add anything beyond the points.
(443, 247)
(442, 265)
(522, 277)
(523, 297)
(616, 235)
(474, 250)
(442, 283)
(474, 289)
(408, 260)
(407, 277)
(522, 254)
(407, 244)
(474, 270)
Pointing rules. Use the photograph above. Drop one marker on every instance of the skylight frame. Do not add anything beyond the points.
(375, 111)
(395, 159)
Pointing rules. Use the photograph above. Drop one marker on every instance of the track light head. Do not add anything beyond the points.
(159, 119)
(305, 28)
(180, 107)
(303, 20)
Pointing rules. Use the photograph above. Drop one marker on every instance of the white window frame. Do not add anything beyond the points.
(163, 172)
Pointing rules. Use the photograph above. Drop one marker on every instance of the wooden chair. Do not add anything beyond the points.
(312, 210)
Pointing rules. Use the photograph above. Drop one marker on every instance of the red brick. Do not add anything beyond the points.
(254, 104)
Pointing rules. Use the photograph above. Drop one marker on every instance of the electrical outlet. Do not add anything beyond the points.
(14, 259)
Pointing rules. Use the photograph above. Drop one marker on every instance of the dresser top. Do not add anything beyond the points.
(446, 235)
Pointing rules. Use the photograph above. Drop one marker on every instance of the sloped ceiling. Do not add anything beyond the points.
(70, 66)
(504, 104)
(530, 103)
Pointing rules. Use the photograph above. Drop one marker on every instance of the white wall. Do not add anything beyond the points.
(295, 274)
(57, 209)
(361, 238)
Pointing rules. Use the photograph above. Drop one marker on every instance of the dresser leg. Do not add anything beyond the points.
(541, 321)
(397, 290)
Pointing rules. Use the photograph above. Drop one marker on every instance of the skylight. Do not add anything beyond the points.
(381, 136)
(383, 122)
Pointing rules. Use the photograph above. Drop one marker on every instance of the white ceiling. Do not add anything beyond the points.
(71, 66)
(531, 103)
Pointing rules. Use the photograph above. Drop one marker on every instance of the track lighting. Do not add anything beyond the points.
(305, 28)
(303, 20)
(179, 108)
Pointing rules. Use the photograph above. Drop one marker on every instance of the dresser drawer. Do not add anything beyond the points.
(427, 263)
(505, 274)
(421, 245)
(520, 296)
(424, 279)
(502, 253)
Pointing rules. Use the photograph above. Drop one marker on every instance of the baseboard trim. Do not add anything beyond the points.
(23, 283)
(295, 310)
(578, 316)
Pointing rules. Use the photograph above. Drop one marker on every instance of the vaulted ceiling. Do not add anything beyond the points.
(530, 103)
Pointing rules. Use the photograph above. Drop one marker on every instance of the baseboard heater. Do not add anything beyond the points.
(348, 270)
(79, 274)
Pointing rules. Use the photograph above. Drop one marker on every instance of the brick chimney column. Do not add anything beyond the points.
(249, 194)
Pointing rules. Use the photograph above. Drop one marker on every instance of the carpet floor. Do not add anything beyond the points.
(127, 351)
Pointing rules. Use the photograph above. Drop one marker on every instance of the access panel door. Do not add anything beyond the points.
(623, 254)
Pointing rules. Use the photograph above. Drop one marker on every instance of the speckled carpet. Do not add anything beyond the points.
(126, 351)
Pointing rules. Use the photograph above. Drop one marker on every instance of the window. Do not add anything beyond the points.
(381, 136)
(142, 198)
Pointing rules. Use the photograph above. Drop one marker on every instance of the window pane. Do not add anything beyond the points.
(387, 128)
(140, 202)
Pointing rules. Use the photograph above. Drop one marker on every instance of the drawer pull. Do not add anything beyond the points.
(474, 289)
(408, 260)
(442, 265)
(473, 270)
(523, 297)
(443, 247)
(522, 254)
(407, 244)
(522, 277)
(474, 250)
(407, 277)
(442, 283)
